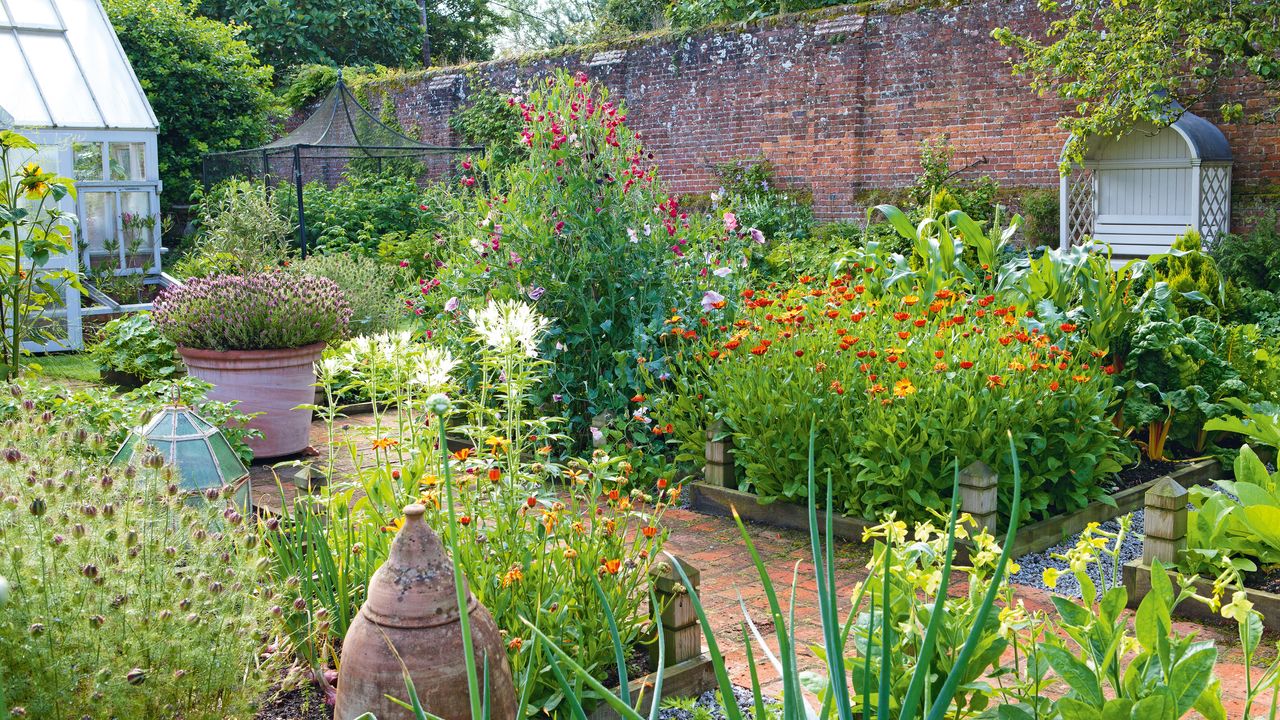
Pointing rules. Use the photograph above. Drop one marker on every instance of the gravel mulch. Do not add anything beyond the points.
(1032, 566)
(710, 702)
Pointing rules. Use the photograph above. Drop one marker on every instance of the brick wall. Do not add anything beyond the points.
(838, 101)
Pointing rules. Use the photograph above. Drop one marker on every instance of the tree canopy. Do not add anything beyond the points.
(208, 89)
(289, 33)
(1132, 60)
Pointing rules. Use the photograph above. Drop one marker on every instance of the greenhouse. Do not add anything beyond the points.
(71, 89)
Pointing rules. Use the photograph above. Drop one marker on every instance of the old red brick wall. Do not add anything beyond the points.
(838, 101)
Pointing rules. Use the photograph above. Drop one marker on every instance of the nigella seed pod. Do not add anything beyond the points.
(109, 510)
(58, 540)
(15, 390)
(28, 405)
(184, 604)
(12, 501)
(171, 489)
(18, 712)
(107, 482)
(225, 558)
(96, 621)
(322, 614)
(130, 471)
(200, 535)
(273, 524)
(133, 551)
(179, 674)
(136, 676)
(46, 417)
(171, 551)
(215, 588)
(235, 519)
(90, 571)
(277, 611)
(300, 605)
(192, 618)
(89, 511)
(251, 542)
(131, 538)
(211, 494)
(77, 530)
(38, 507)
(153, 460)
(80, 435)
(166, 614)
(36, 629)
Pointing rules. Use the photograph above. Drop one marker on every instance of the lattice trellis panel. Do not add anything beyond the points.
(1081, 206)
(1215, 202)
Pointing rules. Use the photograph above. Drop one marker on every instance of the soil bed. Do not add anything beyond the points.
(1144, 471)
(301, 703)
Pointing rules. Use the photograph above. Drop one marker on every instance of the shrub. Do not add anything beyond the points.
(1039, 208)
(902, 387)
(207, 88)
(125, 600)
(1197, 287)
(752, 193)
(1252, 259)
(252, 312)
(488, 119)
(371, 287)
(241, 231)
(131, 344)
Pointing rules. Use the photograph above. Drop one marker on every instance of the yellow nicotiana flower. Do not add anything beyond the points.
(1239, 609)
(1050, 577)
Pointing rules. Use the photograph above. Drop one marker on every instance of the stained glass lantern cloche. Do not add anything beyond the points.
(203, 457)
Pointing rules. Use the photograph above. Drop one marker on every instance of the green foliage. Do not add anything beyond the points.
(131, 344)
(371, 287)
(489, 118)
(355, 215)
(1252, 260)
(1040, 210)
(938, 188)
(33, 231)
(1125, 63)
(241, 230)
(1195, 284)
(752, 193)
(122, 601)
(696, 13)
(827, 243)
(1255, 355)
(1237, 524)
(1179, 375)
(309, 84)
(208, 89)
(103, 417)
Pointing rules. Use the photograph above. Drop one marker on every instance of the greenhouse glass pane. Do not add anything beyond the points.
(18, 92)
(4, 16)
(135, 209)
(185, 427)
(38, 13)
(98, 221)
(128, 161)
(88, 161)
(232, 468)
(196, 466)
(61, 84)
(105, 68)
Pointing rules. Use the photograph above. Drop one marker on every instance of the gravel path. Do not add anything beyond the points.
(1033, 565)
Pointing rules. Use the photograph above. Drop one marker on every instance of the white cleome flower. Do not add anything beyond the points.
(510, 325)
(433, 367)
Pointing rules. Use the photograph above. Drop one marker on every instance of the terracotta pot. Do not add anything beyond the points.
(271, 382)
(413, 608)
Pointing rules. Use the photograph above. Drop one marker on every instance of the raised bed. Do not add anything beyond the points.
(1137, 580)
(977, 498)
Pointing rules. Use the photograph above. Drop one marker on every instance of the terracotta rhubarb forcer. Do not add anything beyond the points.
(413, 608)
(271, 382)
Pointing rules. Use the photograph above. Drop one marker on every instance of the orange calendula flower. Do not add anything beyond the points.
(495, 474)
(903, 388)
(384, 443)
(966, 364)
(910, 300)
(1080, 378)
(995, 381)
(514, 575)
(1067, 327)
(638, 398)
(611, 566)
(939, 366)
(462, 454)
(759, 349)
(1054, 386)
(649, 531)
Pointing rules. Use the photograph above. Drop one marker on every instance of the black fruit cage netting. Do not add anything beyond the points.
(340, 137)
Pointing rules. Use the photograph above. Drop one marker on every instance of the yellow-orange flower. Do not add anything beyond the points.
(903, 388)
(384, 443)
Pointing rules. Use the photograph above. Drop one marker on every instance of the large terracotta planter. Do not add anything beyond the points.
(271, 382)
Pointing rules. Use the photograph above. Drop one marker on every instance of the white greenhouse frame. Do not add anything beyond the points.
(70, 88)
(1139, 192)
